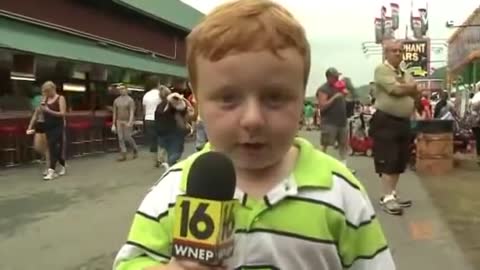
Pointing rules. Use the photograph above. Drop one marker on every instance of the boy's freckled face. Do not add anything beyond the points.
(251, 103)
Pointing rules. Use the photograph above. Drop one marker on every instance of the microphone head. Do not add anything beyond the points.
(212, 176)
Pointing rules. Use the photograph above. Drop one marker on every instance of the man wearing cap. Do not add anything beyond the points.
(395, 93)
(331, 99)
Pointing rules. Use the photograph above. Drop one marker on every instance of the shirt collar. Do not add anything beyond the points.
(397, 70)
(389, 65)
(312, 170)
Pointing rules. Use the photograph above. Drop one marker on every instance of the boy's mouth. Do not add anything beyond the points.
(253, 146)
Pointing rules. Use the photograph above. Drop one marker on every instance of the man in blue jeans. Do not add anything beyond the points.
(171, 127)
(150, 101)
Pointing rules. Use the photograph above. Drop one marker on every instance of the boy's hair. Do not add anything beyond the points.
(242, 26)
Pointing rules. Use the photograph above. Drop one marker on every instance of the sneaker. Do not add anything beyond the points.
(350, 169)
(165, 166)
(122, 157)
(51, 174)
(62, 170)
(402, 203)
(45, 172)
(390, 205)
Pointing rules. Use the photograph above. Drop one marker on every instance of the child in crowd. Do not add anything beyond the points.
(248, 62)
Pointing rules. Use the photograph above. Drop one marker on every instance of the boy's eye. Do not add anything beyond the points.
(275, 100)
(276, 97)
(228, 98)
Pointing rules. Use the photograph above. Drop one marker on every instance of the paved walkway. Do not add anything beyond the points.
(420, 239)
(79, 221)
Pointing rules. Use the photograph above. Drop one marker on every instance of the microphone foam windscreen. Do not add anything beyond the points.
(212, 176)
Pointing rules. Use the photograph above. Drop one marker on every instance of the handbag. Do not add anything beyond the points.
(182, 123)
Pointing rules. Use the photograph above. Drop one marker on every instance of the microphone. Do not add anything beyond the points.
(204, 223)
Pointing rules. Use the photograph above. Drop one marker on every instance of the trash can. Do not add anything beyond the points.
(434, 153)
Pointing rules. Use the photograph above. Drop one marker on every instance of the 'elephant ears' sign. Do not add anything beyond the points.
(416, 57)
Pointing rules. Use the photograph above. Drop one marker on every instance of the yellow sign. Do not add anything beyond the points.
(416, 56)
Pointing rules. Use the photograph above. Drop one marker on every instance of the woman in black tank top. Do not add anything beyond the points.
(54, 110)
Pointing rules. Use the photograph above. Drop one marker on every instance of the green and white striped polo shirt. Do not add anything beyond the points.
(318, 218)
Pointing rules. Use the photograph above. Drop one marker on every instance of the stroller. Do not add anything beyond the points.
(359, 139)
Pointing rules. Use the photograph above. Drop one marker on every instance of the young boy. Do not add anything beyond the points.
(248, 63)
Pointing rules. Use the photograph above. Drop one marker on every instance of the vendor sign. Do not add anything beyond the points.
(416, 54)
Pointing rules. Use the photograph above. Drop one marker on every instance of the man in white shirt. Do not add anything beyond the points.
(475, 111)
(150, 101)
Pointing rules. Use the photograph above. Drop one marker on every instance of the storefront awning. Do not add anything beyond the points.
(173, 12)
(26, 37)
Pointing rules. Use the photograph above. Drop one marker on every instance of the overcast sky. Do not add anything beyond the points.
(337, 28)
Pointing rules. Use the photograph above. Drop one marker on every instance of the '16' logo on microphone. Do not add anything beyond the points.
(203, 229)
(198, 223)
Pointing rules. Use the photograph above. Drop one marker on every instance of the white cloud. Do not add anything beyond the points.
(337, 28)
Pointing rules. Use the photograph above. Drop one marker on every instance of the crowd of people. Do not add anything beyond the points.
(169, 117)
(396, 105)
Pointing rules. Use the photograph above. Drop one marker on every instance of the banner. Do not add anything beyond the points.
(389, 33)
(395, 15)
(423, 20)
(417, 27)
(411, 15)
(378, 31)
(383, 15)
(383, 12)
(416, 57)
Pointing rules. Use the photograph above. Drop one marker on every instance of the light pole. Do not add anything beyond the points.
(451, 24)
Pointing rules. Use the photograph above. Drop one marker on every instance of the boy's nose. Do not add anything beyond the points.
(252, 115)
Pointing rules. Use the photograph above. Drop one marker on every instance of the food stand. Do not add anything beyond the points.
(89, 101)
(431, 84)
(82, 58)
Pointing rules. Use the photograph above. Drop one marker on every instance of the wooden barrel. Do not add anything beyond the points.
(434, 153)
